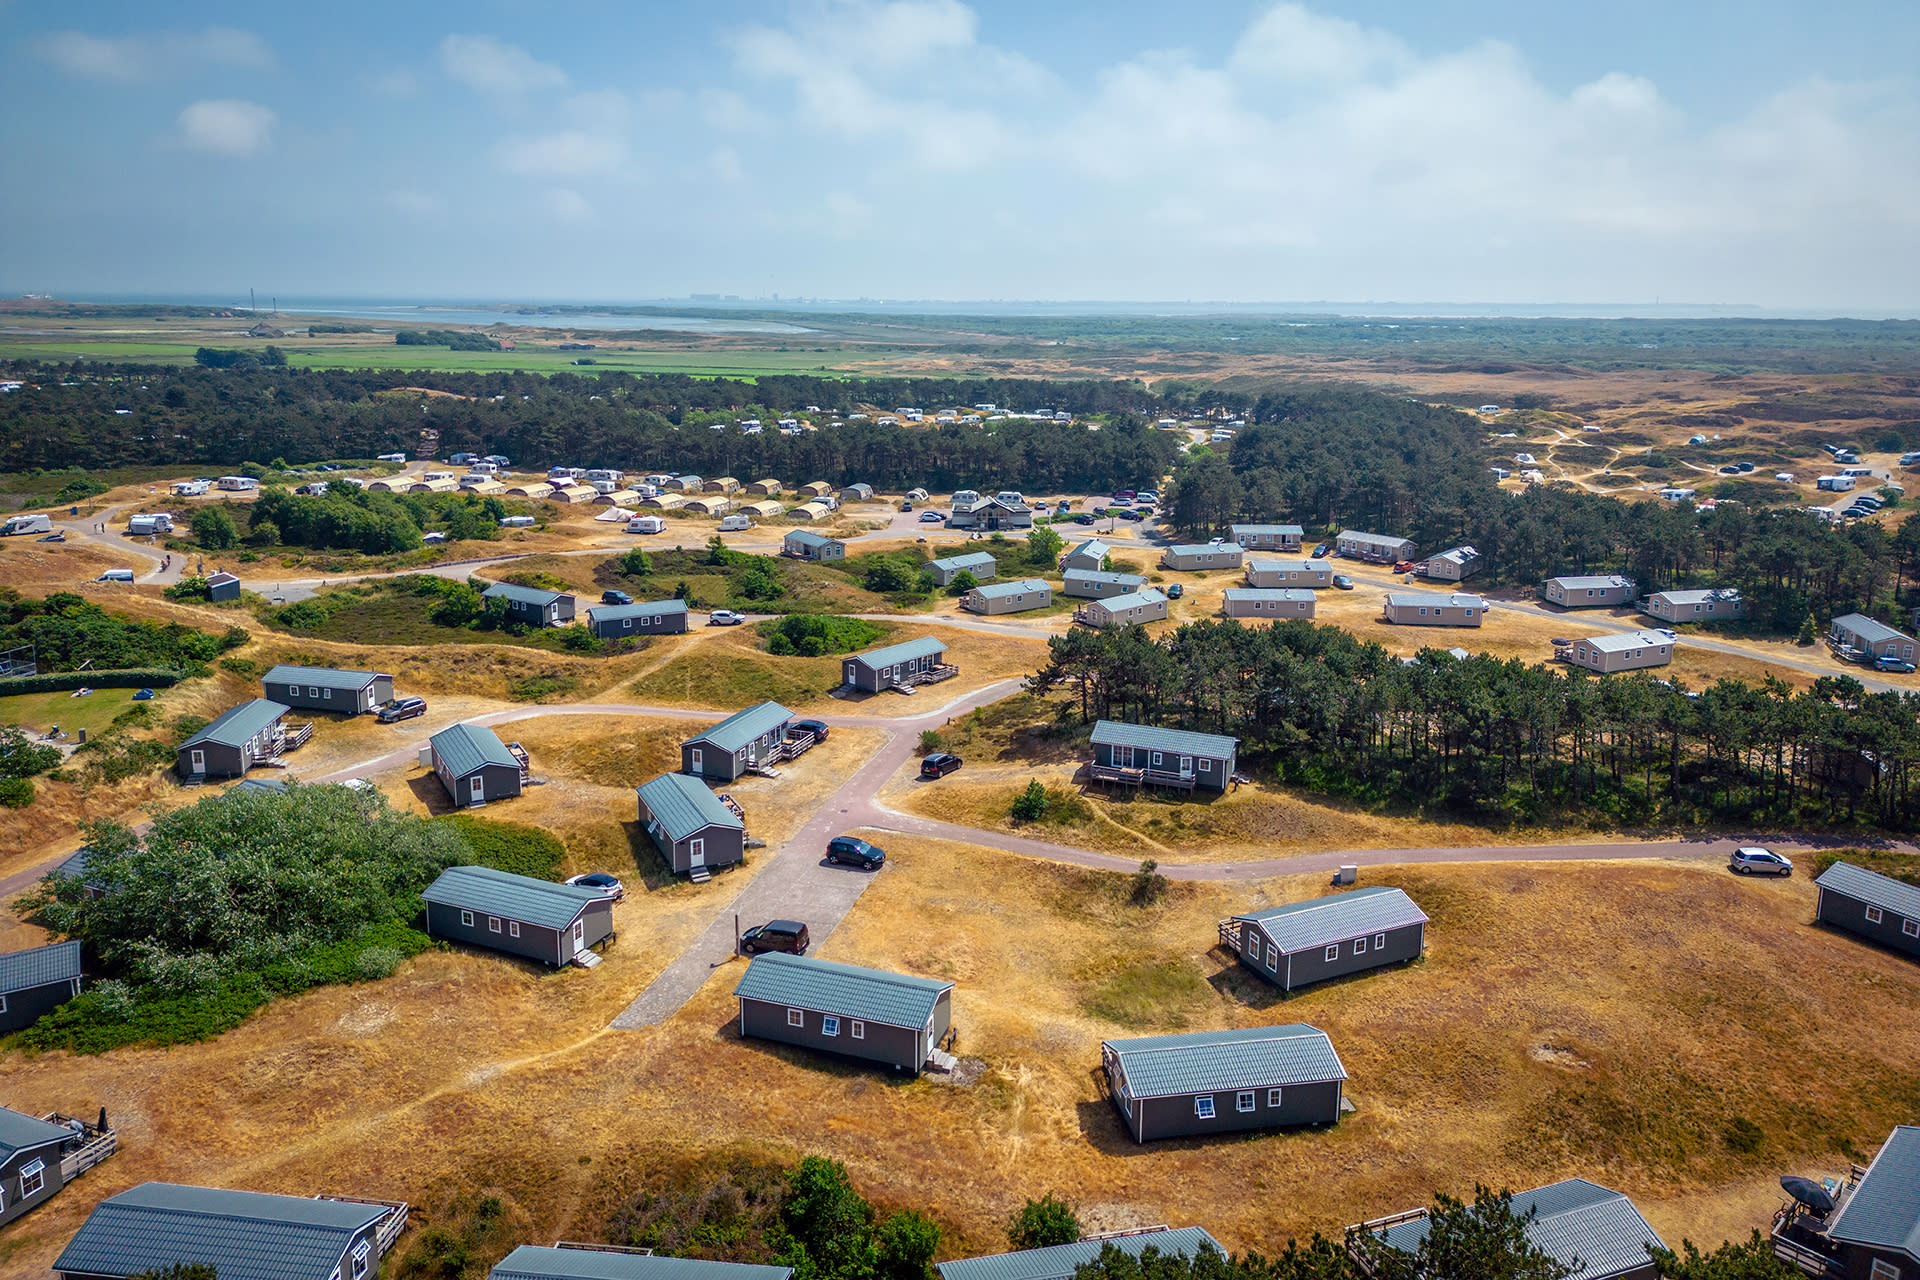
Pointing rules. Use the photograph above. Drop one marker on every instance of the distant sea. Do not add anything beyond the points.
(392, 312)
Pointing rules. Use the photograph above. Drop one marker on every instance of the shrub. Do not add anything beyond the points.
(16, 793)
(213, 528)
(1031, 804)
(544, 685)
(55, 681)
(78, 490)
(509, 846)
(963, 582)
(22, 757)
(1043, 1222)
(1148, 885)
(931, 740)
(376, 962)
(634, 564)
(834, 634)
(1743, 1135)
(194, 588)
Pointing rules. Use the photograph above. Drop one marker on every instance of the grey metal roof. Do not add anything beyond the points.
(235, 726)
(1058, 1262)
(1292, 530)
(1697, 597)
(1454, 600)
(686, 805)
(1290, 594)
(638, 609)
(1211, 1061)
(523, 595)
(18, 1131)
(808, 538)
(1871, 888)
(1372, 539)
(1267, 564)
(540, 1262)
(1575, 1219)
(1321, 922)
(221, 578)
(1119, 734)
(1201, 548)
(742, 727)
(1090, 547)
(1869, 630)
(272, 786)
(466, 747)
(75, 865)
(244, 1235)
(1107, 579)
(972, 560)
(1621, 642)
(38, 966)
(324, 677)
(1593, 582)
(995, 590)
(1459, 555)
(871, 995)
(1884, 1210)
(1131, 600)
(512, 897)
(922, 647)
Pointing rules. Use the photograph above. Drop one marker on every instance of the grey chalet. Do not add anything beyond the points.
(982, 566)
(1306, 942)
(1194, 556)
(328, 689)
(1058, 1262)
(1455, 563)
(1268, 537)
(599, 1262)
(1621, 651)
(238, 739)
(242, 1235)
(1271, 603)
(1870, 905)
(1089, 584)
(1855, 633)
(804, 544)
(643, 618)
(1872, 1229)
(39, 1156)
(891, 1018)
(692, 829)
(1576, 1221)
(1712, 605)
(1017, 596)
(746, 741)
(1380, 548)
(531, 605)
(1590, 591)
(474, 765)
(38, 980)
(1141, 755)
(898, 666)
(538, 919)
(1089, 554)
(1211, 1082)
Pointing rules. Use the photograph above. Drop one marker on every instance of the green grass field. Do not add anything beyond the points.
(41, 711)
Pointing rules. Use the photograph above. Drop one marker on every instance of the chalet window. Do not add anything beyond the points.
(33, 1176)
(1273, 956)
(466, 919)
(313, 691)
(626, 624)
(1873, 915)
(1206, 765)
(829, 1025)
(1244, 1100)
(1203, 1108)
(1359, 946)
(1156, 759)
(1469, 613)
(326, 695)
(362, 1253)
(1333, 952)
(1885, 1270)
(1423, 611)
(1911, 928)
(858, 1030)
(1273, 1097)
(513, 928)
(1379, 942)
(796, 1017)
(493, 924)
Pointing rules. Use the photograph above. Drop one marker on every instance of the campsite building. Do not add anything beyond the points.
(1454, 564)
(474, 766)
(1714, 605)
(898, 666)
(1588, 591)
(531, 489)
(1873, 1233)
(805, 544)
(39, 1157)
(1090, 554)
(764, 509)
(1087, 584)
(1017, 596)
(1858, 632)
(1301, 943)
(1578, 1222)
(892, 1018)
(687, 823)
(328, 688)
(766, 488)
(1212, 1082)
(641, 618)
(1425, 609)
(1268, 537)
(1193, 556)
(857, 493)
(1275, 604)
(1380, 548)
(746, 740)
(708, 504)
(1876, 907)
(239, 1235)
(1268, 573)
(222, 587)
(721, 484)
(538, 919)
(569, 1261)
(993, 513)
(38, 980)
(1625, 651)
(1142, 755)
(1062, 1261)
(982, 566)
(1148, 604)
(533, 606)
(239, 738)
(818, 509)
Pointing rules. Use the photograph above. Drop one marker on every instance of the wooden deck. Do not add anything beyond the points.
(391, 1224)
(96, 1144)
(1142, 777)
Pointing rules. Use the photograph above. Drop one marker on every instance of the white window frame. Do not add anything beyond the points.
(326, 694)
(466, 918)
(493, 924)
(313, 691)
(1911, 928)
(1245, 1100)
(1875, 915)
(33, 1178)
(1273, 1097)
(829, 1024)
(513, 928)
(362, 1253)
(1333, 952)
(1884, 1270)
(856, 1029)
(1359, 946)
(1273, 956)
(1203, 1107)
(1379, 942)
(796, 1017)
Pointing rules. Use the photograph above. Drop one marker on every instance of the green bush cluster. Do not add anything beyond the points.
(67, 630)
(814, 635)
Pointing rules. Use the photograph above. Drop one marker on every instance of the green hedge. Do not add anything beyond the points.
(54, 681)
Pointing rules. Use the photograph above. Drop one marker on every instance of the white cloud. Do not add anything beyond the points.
(487, 65)
(153, 56)
(226, 126)
(566, 154)
(564, 204)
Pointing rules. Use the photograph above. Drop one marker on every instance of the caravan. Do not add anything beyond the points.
(26, 524)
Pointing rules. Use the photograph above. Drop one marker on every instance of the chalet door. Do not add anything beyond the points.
(198, 760)
(696, 853)
(1123, 757)
(1186, 766)
(579, 936)
(477, 789)
(693, 759)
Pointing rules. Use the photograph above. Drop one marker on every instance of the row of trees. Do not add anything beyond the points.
(1504, 739)
(67, 630)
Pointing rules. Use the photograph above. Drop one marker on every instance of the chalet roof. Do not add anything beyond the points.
(1090, 547)
(871, 995)
(523, 595)
(1575, 1219)
(921, 647)
(1058, 1262)
(1290, 595)
(19, 1131)
(1321, 922)
(1869, 630)
(1593, 582)
(1268, 564)
(513, 897)
(1212, 1061)
(972, 560)
(1697, 597)
(1097, 577)
(638, 609)
(1019, 586)
(1373, 539)
(1202, 548)
(1270, 530)
(1131, 600)
(244, 1235)
(39, 966)
(236, 726)
(743, 726)
(808, 538)
(543, 1262)
(1455, 600)
(685, 806)
(466, 747)
(324, 677)
(1117, 733)
(1871, 888)
(1884, 1210)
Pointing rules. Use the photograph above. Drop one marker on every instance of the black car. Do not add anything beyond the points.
(855, 852)
(1085, 517)
(1320, 552)
(1175, 590)
(615, 597)
(818, 728)
(775, 935)
(939, 765)
(400, 709)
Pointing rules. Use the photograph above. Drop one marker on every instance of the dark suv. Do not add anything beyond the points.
(855, 852)
(939, 765)
(615, 597)
(401, 709)
(775, 935)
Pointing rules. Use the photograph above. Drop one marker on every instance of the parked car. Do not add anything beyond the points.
(1752, 861)
(400, 709)
(1560, 642)
(931, 517)
(1123, 495)
(1085, 517)
(1343, 582)
(1729, 470)
(1320, 552)
(53, 537)
(601, 883)
(1403, 566)
(856, 852)
(775, 935)
(725, 618)
(938, 765)
(1175, 590)
(906, 506)
(818, 728)
(1136, 516)
(1887, 662)
(1744, 466)
(1064, 506)
(615, 597)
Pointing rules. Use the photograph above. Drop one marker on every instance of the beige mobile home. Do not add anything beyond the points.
(1272, 603)
(1589, 591)
(1008, 597)
(1424, 609)
(1453, 565)
(1380, 548)
(1202, 555)
(1628, 651)
(1715, 605)
(1145, 605)
(1269, 537)
(1266, 573)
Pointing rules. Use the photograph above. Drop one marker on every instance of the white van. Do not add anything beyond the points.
(116, 575)
(730, 524)
(26, 524)
(516, 522)
(1856, 471)
(391, 457)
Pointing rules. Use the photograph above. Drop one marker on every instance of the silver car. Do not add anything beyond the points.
(1754, 861)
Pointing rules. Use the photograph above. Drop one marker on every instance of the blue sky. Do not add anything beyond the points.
(1765, 153)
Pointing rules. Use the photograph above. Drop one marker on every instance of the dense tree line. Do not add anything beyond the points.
(1504, 739)
(68, 631)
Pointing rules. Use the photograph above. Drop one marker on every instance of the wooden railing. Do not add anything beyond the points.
(1142, 777)
(1371, 1227)
(96, 1145)
(1815, 1264)
(519, 753)
(392, 1223)
(1230, 934)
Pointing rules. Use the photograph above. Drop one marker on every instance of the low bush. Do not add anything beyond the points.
(544, 685)
(509, 846)
(16, 793)
(22, 757)
(55, 681)
(1030, 805)
(813, 635)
